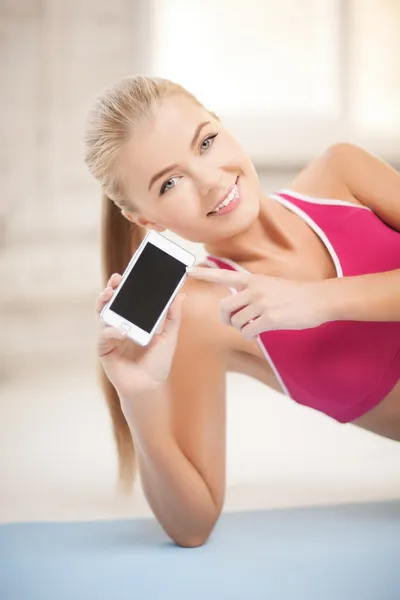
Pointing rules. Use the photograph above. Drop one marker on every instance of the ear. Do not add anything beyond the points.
(149, 225)
(142, 222)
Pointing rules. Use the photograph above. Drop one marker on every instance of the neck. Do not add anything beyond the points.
(267, 237)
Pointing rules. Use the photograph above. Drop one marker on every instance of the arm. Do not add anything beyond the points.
(372, 297)
(347, 172)
(370, 180)
(180, 431)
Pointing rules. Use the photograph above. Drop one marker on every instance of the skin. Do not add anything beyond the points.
(262, 236)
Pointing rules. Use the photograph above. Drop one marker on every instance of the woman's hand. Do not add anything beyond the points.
(129, 367)
(264, 303)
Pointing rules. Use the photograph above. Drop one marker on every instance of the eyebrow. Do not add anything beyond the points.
(174, 166)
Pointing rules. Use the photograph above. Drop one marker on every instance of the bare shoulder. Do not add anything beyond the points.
(321, 178)
(200, 315)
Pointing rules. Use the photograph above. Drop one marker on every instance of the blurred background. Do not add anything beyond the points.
(289, 79)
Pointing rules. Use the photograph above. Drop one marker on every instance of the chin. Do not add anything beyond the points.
(243, 223)
(222, 227)
(245, 215)
(236, 225)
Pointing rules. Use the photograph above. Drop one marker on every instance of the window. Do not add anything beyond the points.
(375, 67)
(291, 77)
(251, 55)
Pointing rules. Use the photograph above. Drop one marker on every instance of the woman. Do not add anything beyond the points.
(317, 309)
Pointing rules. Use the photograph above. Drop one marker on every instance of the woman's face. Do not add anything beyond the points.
(180, 165)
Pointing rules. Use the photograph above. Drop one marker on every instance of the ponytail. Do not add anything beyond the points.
(114, 117)
(120, 238)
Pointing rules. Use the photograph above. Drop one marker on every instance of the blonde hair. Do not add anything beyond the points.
(115, 115)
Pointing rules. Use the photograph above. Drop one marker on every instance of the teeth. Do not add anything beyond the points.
(233, 194)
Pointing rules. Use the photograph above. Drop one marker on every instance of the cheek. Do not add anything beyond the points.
(177, 220)
(250, 184)
(184, 218)
(232, 147)
(180, 211)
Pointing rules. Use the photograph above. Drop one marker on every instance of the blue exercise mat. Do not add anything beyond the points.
(349, 552)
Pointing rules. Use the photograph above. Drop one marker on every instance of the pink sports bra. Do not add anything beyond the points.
(340, 368)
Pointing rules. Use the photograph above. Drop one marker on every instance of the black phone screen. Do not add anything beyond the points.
(148, 287)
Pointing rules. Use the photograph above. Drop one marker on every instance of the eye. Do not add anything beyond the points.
(165, 186)
(209, 139)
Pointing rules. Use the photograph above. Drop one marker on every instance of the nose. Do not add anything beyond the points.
(209, 182)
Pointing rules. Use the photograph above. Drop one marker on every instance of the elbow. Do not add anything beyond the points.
(191, 542)
(338, 155)
(340, 149)
(193, 531)
(194, 539)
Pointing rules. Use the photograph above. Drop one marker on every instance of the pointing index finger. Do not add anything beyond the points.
(234, 278)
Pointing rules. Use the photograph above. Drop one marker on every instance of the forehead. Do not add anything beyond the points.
(163, 139)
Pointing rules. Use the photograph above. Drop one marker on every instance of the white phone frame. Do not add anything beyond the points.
(135, 333)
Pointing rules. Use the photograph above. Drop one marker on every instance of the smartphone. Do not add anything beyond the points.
(149, 284)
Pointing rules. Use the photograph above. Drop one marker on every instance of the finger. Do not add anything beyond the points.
(236, 279)
(167, 316)
(173, 318)
(103, 298)
(245, 316)
(254, 328)
(108, 292)
(232, 304)
(114, 280)
(109, 339)
(160, 327)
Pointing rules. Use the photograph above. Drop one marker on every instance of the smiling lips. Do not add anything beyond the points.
(229, 203)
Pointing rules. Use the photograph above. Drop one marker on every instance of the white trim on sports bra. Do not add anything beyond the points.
(339, 271)
(269, 360)
(319, 200)
(315, 227)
